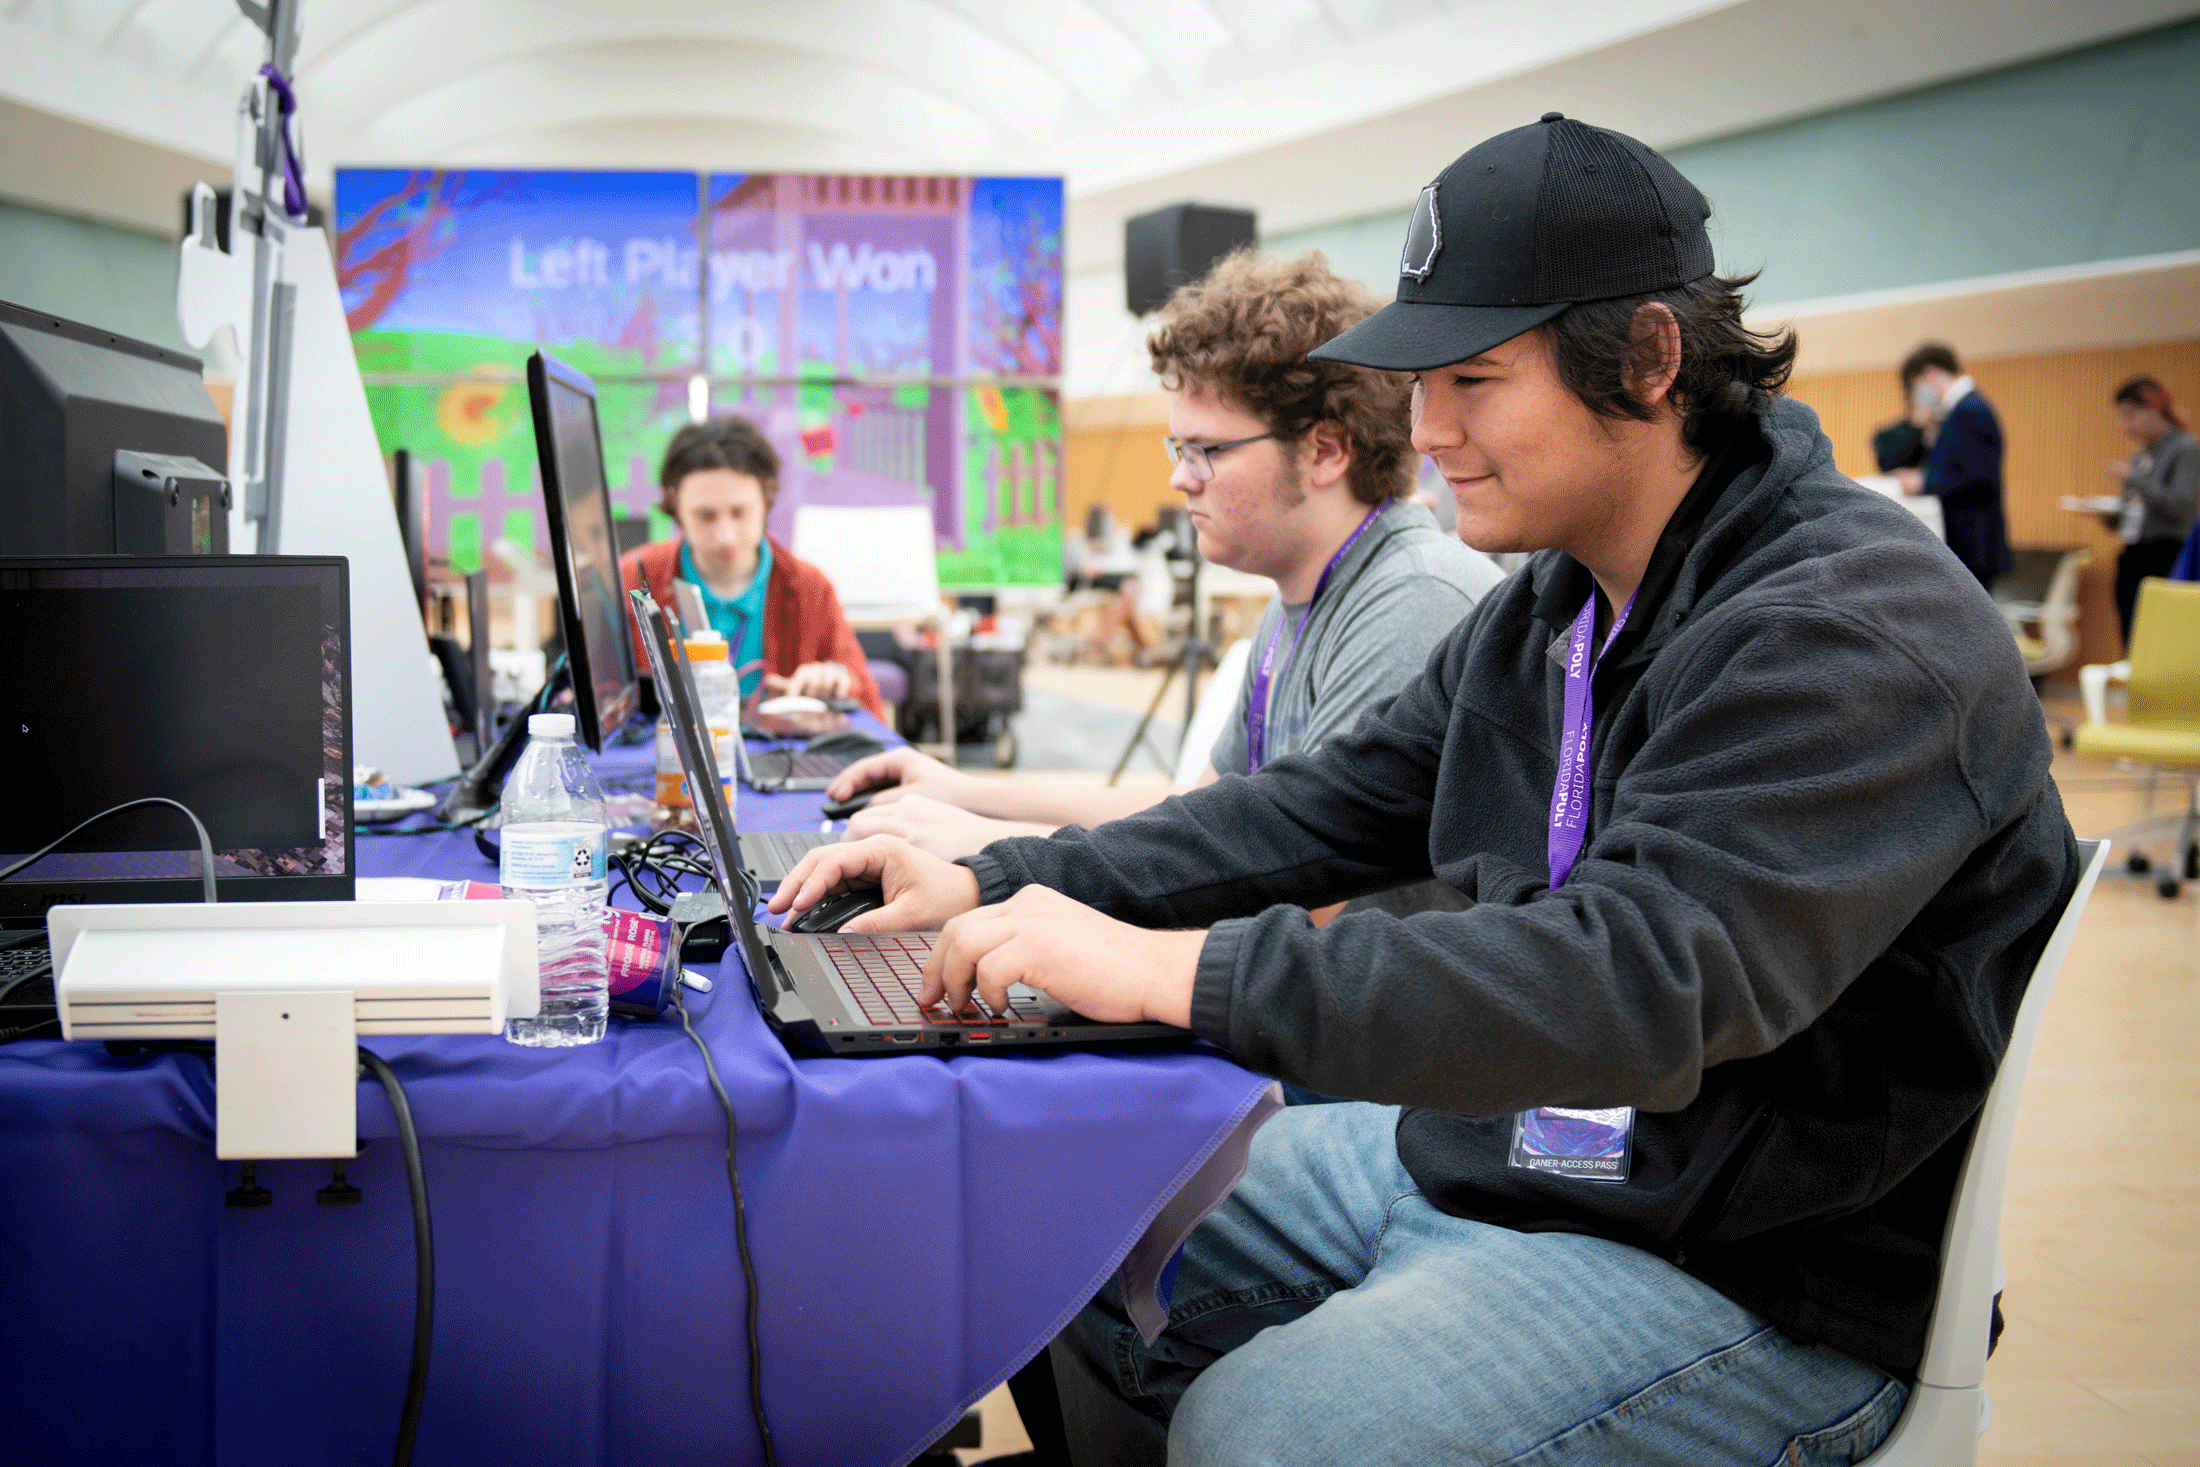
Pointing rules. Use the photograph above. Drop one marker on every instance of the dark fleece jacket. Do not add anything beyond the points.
(1823, 855)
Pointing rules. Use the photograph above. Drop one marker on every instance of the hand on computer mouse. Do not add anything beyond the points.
(942, 829)
(842, 809)
(921, 890)
(899, 773)
(829, 914)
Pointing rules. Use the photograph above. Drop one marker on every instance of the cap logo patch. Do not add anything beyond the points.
(1424, 237)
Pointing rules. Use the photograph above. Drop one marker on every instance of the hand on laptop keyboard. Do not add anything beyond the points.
(1102, 968)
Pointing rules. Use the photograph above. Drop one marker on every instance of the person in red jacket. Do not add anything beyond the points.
(778, 614)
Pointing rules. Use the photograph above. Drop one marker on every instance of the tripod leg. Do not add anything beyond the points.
(1197, 656)
(1139, 735)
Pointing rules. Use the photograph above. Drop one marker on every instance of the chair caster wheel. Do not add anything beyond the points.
(2168, 885)
(2137, 863)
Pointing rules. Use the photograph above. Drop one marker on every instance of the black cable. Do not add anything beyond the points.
(416, 1182)
(740, 1214)
(434, 827)
(653, 869)
(206, 846)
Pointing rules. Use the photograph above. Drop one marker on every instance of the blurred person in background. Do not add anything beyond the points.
(779, 615)
(2161, 490)
(1296, 470)
(1963, 464)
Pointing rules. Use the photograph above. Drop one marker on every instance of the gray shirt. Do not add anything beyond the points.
(2162, 494)
(1387, 606)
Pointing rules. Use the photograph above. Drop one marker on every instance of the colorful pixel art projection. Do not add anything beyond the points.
(898, 338)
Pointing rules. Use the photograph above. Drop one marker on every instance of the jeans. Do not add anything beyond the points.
(1327, 1314)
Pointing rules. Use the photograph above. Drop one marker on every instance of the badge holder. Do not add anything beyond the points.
(1587, 1145)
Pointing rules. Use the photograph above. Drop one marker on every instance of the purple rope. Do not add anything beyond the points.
(294, 177)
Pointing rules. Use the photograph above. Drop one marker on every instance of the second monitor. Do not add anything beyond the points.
(576, 505)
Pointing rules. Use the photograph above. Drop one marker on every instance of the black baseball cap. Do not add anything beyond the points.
(1520, 228)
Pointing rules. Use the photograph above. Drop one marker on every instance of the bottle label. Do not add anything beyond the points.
(551, 854)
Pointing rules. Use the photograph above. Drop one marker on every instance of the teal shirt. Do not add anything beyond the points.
(741, 620)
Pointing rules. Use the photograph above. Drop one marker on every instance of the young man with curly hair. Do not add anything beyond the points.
(1649, 1151)
(1292, 469)
(779, 615)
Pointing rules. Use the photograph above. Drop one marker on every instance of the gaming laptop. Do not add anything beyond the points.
(771, 854)
(840, 993)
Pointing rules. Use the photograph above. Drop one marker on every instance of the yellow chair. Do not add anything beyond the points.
(2162, 703)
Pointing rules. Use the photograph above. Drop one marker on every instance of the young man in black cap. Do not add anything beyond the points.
(1747, 785)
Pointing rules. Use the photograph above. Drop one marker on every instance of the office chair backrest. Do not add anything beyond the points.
(1970, 1254)
(2038, 598)
(2164, 688)
(1213, 709)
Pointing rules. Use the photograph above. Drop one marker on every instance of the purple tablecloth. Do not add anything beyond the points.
(920, 1228)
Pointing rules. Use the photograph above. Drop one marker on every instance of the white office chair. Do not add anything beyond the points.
(1214, 707)
(1946, 1411)
(2038, 599)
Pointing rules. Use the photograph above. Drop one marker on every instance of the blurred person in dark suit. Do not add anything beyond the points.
(1963, 463)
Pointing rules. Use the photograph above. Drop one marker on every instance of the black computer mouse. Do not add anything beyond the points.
(848, 743)
(842, 809)
(828, 914)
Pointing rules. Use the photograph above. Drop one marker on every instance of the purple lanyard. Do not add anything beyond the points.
(1570, 793)
(1256, 711)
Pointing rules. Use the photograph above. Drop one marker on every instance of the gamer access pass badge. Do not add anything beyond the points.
(1588, 1145)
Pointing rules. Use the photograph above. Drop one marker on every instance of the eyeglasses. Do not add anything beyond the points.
(1200, 456)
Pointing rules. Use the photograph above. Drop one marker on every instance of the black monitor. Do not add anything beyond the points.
(411, 503)
(110, 446)
(222, 682)
(577, 506)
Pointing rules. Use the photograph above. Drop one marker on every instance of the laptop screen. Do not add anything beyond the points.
(222, 682)
(683, 711)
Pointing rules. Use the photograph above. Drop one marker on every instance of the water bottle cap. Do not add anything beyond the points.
(549, 725)
(707, 647)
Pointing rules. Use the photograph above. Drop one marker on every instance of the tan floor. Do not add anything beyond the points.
(2101, 1227)
(2100, 1366)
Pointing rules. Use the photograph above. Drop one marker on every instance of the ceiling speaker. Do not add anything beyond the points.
(1175, 246)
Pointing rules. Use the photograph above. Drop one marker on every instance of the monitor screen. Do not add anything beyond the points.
(577, 507)
(221, 682)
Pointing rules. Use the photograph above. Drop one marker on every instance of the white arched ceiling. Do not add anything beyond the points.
(500, 107)
(1116, 90)
(1309, 111)
(912, 47)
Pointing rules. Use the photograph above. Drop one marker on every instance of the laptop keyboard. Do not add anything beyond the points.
(784, 846)
(19, 963)
(15, 962)
(886, 972)
(774, 765)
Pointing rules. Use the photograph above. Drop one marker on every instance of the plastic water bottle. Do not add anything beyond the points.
(552, 854)
(716, 688)
(719, 693)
